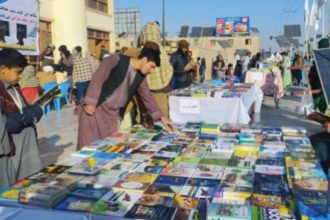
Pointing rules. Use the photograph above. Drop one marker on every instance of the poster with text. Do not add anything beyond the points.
(233, 26)
(19, 22)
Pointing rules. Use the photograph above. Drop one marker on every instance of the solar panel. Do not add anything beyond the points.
(254, 30)
(196, 32)
(184, 31)
(322, 60)
(208, 31)
(282, 41)
(295, 42)
(291, 31)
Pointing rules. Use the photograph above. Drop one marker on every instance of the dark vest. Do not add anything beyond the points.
(115, 78)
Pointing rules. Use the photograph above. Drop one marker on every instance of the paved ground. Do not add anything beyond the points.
(57, 132)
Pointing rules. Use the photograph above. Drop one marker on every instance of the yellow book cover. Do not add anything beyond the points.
(141, 177)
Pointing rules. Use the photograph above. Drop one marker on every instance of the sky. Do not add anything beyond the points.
(267, 15)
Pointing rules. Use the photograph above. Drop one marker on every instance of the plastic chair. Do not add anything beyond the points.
(64, 87)
(46, 87)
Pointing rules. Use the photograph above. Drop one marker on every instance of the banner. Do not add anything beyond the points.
(233, 25)
(19, 23)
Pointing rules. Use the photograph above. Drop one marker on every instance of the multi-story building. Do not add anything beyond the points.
(87, 23)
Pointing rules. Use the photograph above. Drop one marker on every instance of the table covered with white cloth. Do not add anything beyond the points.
(219, 110)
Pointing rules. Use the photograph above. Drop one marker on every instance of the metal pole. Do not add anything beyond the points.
(164, 23)
(329, 20)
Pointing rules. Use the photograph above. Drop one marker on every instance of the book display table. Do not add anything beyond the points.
(214, 104)
(211, 172)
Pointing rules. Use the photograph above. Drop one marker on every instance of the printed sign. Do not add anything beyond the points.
(19, 23)
(233, 25)
(189, 106)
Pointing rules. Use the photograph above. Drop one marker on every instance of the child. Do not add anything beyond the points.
(21, 118)
(229, 71)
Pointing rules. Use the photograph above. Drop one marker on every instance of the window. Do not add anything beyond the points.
(100, 5)
(248, 41)
(212, 42)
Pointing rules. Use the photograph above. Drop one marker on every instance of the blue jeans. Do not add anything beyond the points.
(81, 90)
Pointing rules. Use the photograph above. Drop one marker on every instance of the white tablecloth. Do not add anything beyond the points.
(216, 110)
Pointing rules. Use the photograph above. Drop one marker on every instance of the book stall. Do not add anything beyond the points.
(226, 103)
(202, 171)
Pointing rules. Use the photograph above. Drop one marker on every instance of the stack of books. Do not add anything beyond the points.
(209, 131)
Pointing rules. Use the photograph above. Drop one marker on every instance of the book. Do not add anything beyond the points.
(260, 213)
(141, 177)
(162, 190)
(208, 171)
(115, 203)
(9, 193)
(185, 202)
(42, 195)
(197, 191)
(48, 96)
(318, 117)
(84, 168)
(132, 186)
(181, 214)
(75, 203)
(203, 182)
(153, 200)
(234, 176)
(179, 172)
(89, 193)
(150, 212)
(229, 212)
(171, 180)
(58, 169)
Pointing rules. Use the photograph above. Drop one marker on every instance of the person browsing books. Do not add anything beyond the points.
(111, 88)
(18, 119)
(321, 144)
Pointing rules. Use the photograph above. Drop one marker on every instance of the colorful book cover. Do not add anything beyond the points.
(9, 193)
(115, 203)
(195, 151)
(214, 161)
(185, 202)
(74, 203)
(42, 177)
(179, 172)
(181, 214)
(84, 168)
(208, 171)
(153, 200)
(171, 180)
(197, 191)
(150, 212)
(203, 182)
(188, 162)
(97, 182)
(141, 177)
(260, 213)
(162, 190)
(132, 186)
(58, 169)
(146, 168)
(89, 193)
(234, 176)
(224, 211)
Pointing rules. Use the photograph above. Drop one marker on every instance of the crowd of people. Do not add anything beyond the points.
(133, 82)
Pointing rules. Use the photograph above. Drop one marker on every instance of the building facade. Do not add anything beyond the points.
(87, 23)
